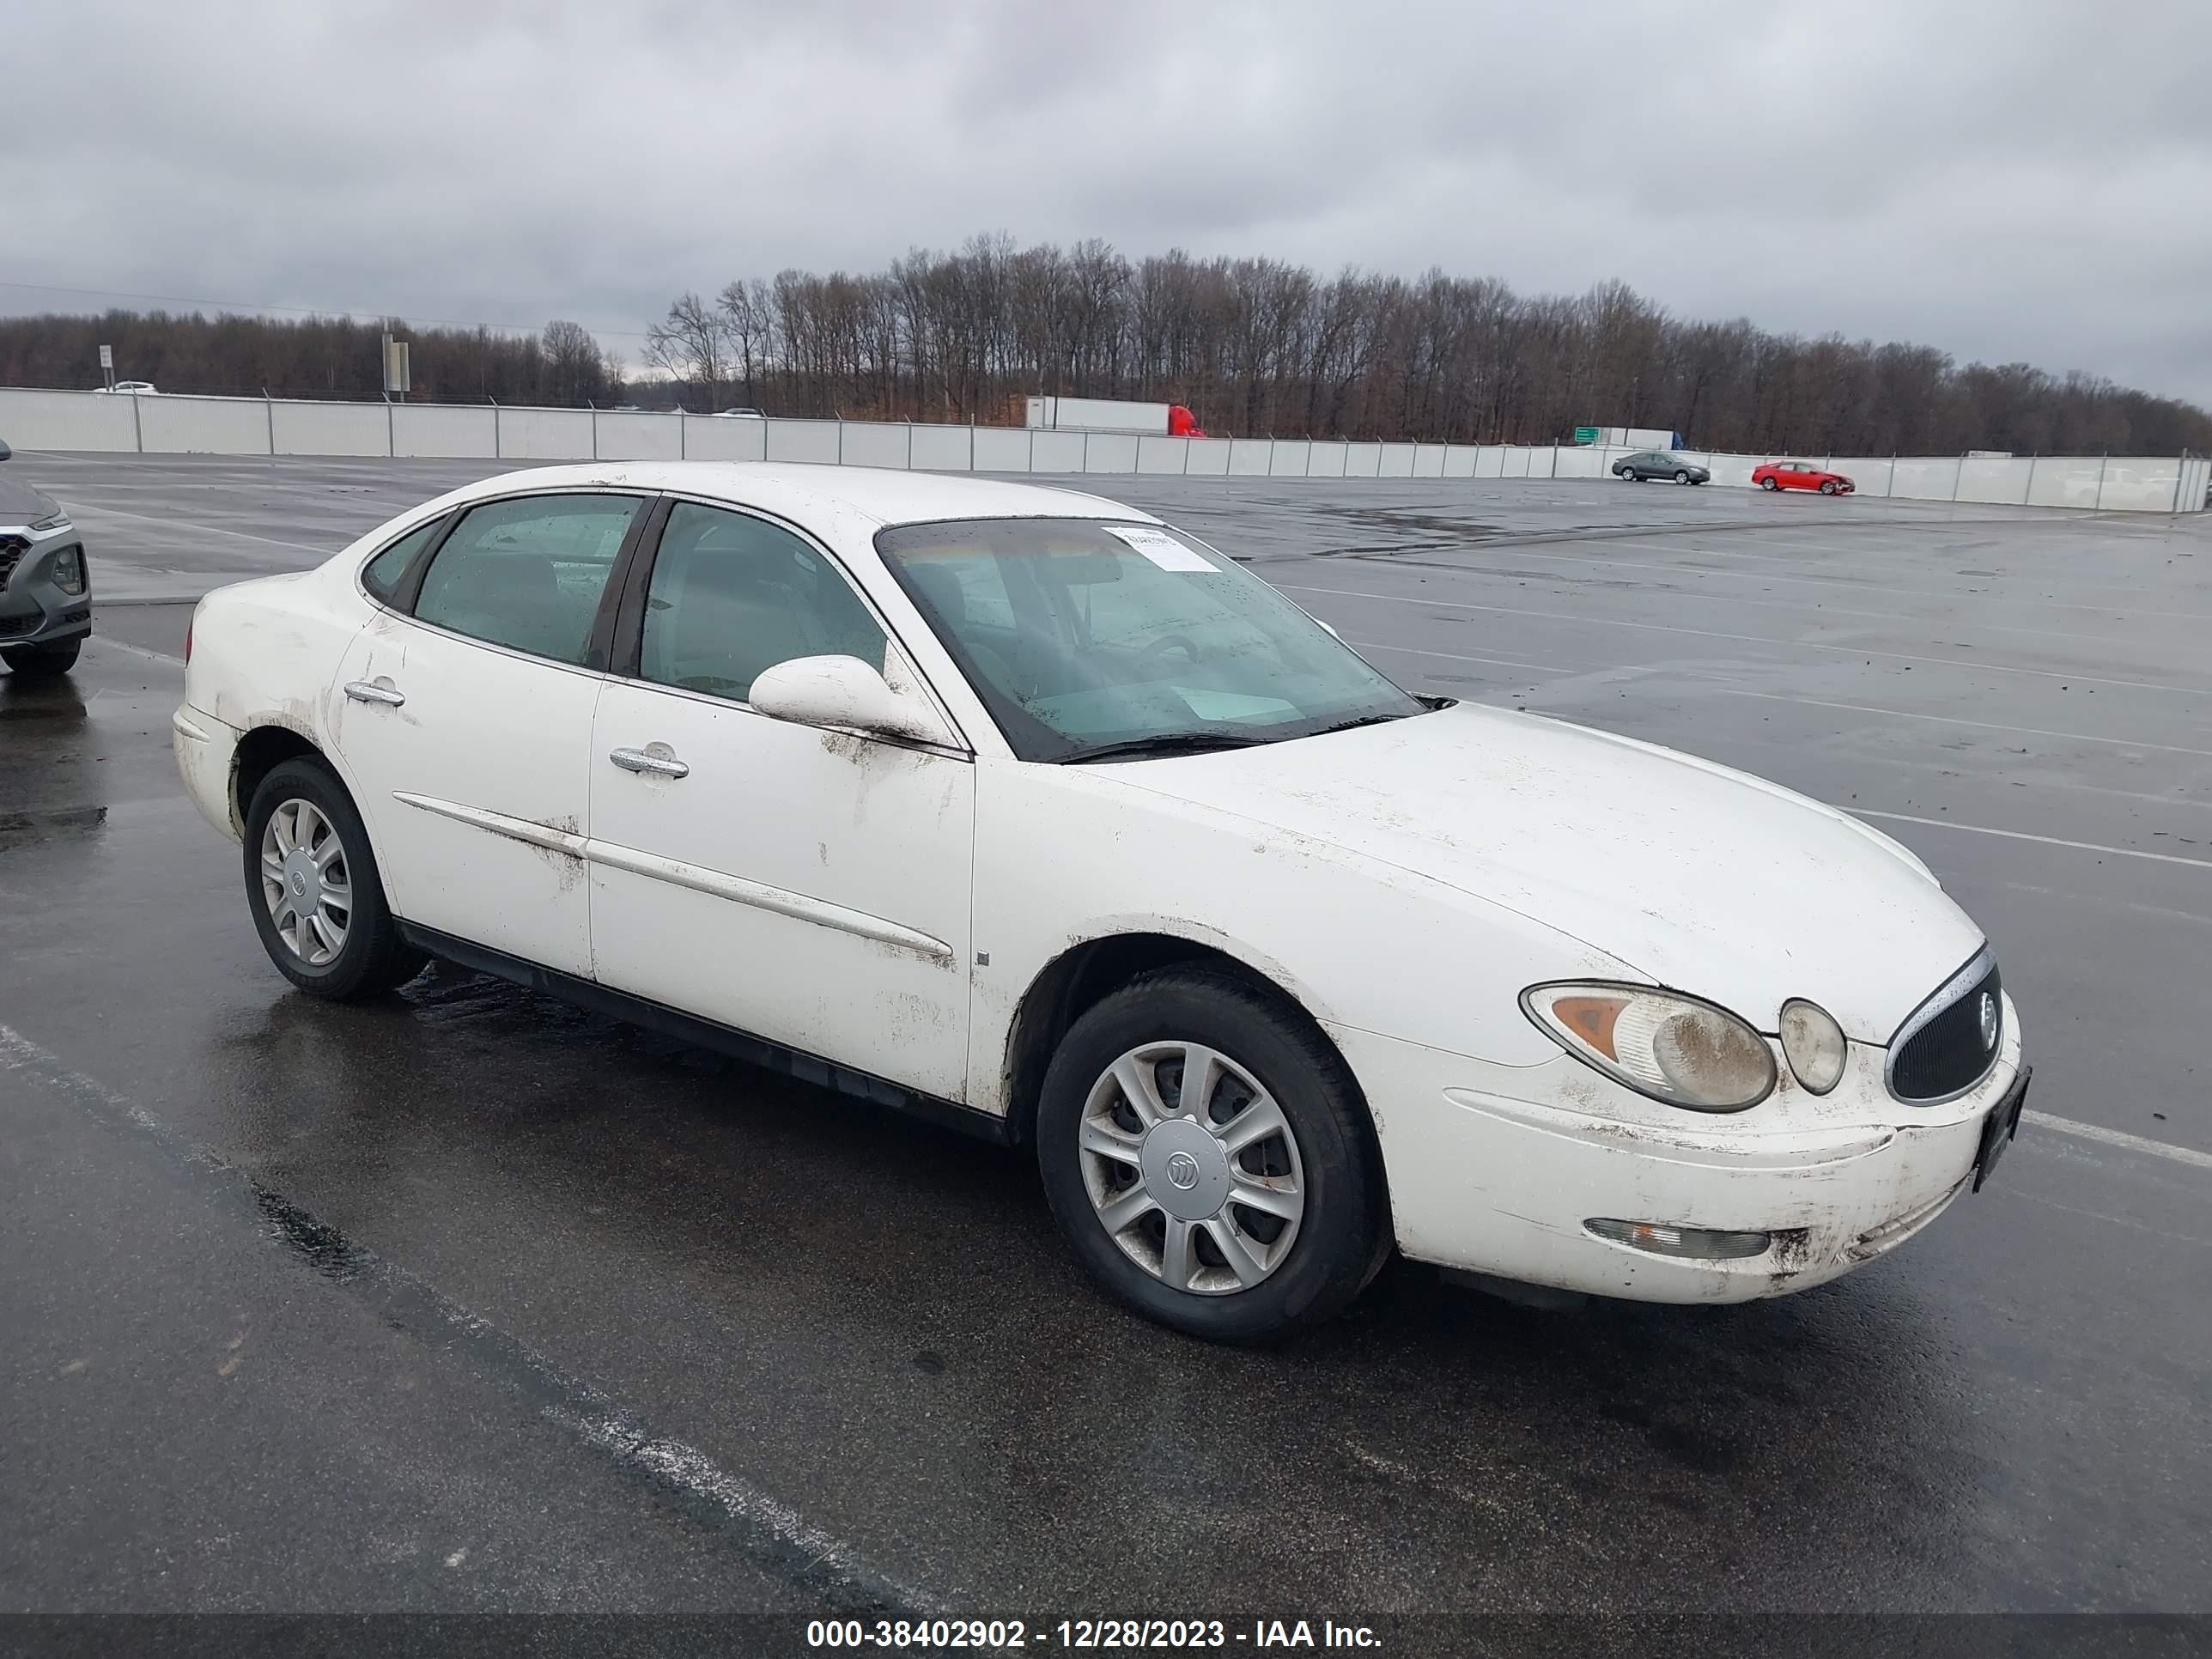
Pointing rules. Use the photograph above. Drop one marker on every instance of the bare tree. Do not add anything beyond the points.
(692, 345)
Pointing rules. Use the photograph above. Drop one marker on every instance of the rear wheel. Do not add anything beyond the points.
(311, 881)
(38, 661)
(1769, 484)
(1207, 1159)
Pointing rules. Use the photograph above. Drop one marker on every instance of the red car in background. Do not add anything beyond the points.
(1800, 475)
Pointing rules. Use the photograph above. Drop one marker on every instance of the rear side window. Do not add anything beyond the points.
(382, 575)
(732, 596)
(529, 573)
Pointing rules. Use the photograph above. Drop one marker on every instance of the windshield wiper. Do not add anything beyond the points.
(1350, 725)
(1163, 743)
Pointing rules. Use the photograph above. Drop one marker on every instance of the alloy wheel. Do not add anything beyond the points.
(304, 884)
(1192, 1168)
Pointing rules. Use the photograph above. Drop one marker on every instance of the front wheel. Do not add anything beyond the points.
(35, 662)
(317, 898)
(1828, 489)
(1681, 478)
(1208, 1159)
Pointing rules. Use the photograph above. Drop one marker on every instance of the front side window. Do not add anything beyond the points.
(382, 575)
(732, 596)
(1083, 637)
(528, 573)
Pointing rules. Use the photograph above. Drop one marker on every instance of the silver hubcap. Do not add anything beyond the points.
(304, 882)
(1193, 1168)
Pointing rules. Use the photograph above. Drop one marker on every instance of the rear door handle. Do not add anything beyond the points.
(378, 690)
(641, 760)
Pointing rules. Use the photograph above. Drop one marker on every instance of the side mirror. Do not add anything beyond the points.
(841, 691)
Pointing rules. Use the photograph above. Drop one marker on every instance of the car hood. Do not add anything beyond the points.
(1706, 879)
(20, 504)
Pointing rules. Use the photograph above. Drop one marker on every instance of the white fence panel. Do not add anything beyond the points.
(641, 437)
(1985, 479)
(1251, 457)
(68, 420)
(998, 450)
(2139, 483)
(1289, 457)
(429, 430)
(1056, 451)
(305, 429)
(542, 434)
(1460, 460)
(802, 440)
(1927, 477)
(1208, 458)
(1489, 462)
(1427, 461)
(711, 438)
(943, 449)
(1326, 460)
(1110, 451)
(1396, 461)
(2063, 481)
(1170, 455)
(203, 426)
(1870, 474)
(1363, 460)
(1584, 463)
(875, 443)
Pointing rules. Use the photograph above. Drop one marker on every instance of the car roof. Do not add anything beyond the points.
(803, 491)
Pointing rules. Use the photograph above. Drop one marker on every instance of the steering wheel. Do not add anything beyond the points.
(1160, 646)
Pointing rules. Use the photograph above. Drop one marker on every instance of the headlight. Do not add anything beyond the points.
(69, 570)
(59, 521)
(1814, 1045)
(1661, 1043)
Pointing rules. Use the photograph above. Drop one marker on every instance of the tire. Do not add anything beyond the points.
(34, 662)
(1681, 478)
(369, 956)
(1305, 1259)
(1828, 489)
(1768, 483)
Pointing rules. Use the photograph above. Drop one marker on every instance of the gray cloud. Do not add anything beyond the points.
(2007, 181)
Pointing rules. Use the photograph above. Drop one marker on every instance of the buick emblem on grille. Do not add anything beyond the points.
(1989, 1022)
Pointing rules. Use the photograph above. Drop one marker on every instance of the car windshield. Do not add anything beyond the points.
(1085, 637)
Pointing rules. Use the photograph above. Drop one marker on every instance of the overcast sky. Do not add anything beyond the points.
(2024, 181)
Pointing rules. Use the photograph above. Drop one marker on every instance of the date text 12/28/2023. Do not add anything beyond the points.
(1106, 1634)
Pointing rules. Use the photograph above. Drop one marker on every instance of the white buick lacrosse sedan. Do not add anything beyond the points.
(1022, 810)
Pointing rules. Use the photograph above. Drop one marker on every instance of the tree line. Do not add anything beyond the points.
(1259, 347)
(235, 356)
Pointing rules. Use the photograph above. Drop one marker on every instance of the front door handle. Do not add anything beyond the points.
(376, 690)
(664, 765)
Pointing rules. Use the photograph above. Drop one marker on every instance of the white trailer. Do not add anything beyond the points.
(1108, 414)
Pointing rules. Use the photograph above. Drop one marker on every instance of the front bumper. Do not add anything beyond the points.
(1495, 1169)
(35, 609)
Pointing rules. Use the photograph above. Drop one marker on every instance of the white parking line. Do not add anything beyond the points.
(2022, 835)
(1754, 639)
(2066, 1126)
(168, 521)
(1460, 656)
(778, 1537)
(1954, 719)
(108, 644)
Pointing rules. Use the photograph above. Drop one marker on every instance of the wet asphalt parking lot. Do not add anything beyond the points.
(467, 1302)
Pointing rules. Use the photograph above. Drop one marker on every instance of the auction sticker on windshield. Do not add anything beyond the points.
(1162, 548)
